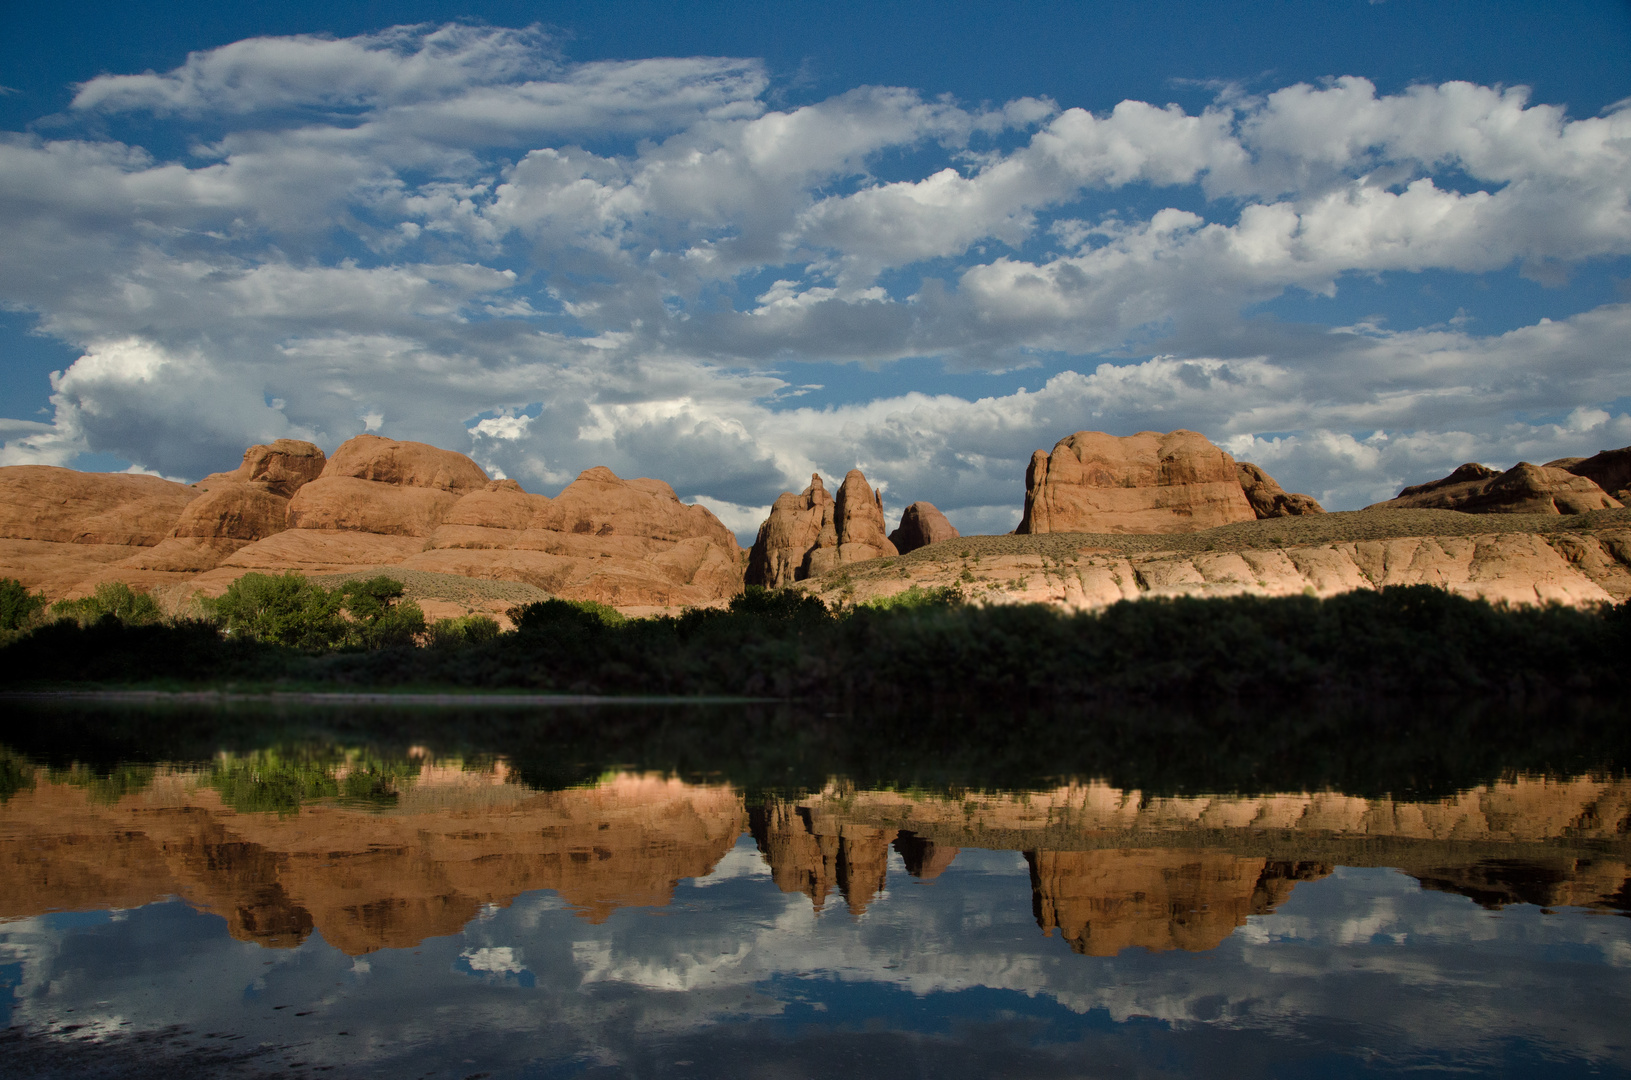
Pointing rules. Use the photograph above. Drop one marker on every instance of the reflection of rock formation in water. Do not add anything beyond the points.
(1110, 868)
(923, 858)
(1106, 901)
(366, 881)
(1547, 883)
(814, 854)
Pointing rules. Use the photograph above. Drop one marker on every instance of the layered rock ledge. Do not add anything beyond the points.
(1513, 558)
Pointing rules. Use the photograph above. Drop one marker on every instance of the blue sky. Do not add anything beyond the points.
(727, 245)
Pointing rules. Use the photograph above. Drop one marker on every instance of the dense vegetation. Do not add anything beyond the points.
(924, 648)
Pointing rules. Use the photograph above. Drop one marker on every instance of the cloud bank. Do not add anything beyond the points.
(458, 235)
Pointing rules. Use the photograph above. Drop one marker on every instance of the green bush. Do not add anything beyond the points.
(781, 605)
(112, 599)
(288, 609)
(464, 630)
(283, 609)
(557, 614)
(918, 597)
(380, 617)
(18, 606)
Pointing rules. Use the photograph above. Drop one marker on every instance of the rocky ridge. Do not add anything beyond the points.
(1519, 559)
(377, 505)
(1522, 489)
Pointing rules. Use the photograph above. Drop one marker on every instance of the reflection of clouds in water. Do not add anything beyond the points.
(741, 861)
(1367, 948)
(497, 961)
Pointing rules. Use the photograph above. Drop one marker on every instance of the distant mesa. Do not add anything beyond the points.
(1147, 483)
(1522, 489)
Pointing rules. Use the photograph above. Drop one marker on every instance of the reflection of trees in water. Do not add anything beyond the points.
(281, 779)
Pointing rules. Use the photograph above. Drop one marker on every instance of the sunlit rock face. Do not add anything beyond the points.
(1105, 902)
(1143, 483)
(810, 533)
(376, 504)
(59, 527)
(281, 467)
(628, 543)
(1521, 568)
(1522, 489)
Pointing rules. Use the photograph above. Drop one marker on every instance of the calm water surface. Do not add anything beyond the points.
(317, 906)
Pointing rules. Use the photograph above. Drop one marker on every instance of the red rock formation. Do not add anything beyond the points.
(921, 525)
(1522, 489)
(808, 534)
(405, 464)
(1268, 499)
(347, 504)
(798, 540)
(281, 467)
(1144, 483)
(1608, 469)
(45, 503)
(628, 543)
(1104, 902)
(858, 513)
(58, 526)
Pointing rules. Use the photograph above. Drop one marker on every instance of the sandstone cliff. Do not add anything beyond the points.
(1144, 483)
(808, 534)
(1522, 489)
(1519, 559)
(377, 503)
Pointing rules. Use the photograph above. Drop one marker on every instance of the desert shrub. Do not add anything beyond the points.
(918, 597)
(464, 630)
(18, 606)
(106, 786)
(788, 605)
(16, 774)
(284, 609)
(112, 599)
(555, 614)
(380, 618)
